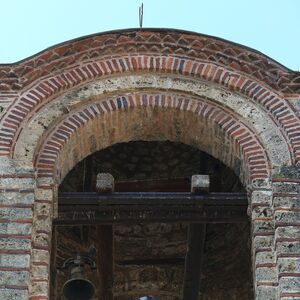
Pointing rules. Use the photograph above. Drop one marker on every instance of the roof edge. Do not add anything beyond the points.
(129, 30)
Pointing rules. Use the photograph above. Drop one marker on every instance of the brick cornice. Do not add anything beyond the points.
(150, 41)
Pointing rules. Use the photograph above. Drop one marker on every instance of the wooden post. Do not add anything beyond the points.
(196, 240)
(105, 249)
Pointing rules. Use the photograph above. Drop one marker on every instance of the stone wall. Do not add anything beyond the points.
(84, 95)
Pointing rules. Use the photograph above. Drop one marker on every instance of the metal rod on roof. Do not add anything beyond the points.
(141, 14)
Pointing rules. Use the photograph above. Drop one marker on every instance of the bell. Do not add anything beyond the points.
(78, 287)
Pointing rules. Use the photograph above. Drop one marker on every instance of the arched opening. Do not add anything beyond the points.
(149, 257)
(85, 95)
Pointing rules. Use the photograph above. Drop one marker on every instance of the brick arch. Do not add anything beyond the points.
(171, 116)
(48, 88)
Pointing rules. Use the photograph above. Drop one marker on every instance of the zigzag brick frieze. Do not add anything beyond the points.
(45, 89)
(245, 144)
(163, 42)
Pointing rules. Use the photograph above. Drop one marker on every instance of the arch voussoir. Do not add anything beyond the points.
(245, 146)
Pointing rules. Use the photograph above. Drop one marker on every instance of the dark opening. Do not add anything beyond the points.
(149, 258)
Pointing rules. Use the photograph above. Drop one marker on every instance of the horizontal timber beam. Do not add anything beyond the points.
(95, 208)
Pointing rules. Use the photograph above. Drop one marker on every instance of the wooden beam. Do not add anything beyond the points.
(196, 237)
(87, 174)
(80, 200)
(196, 240)
(105, 261)
(105, 242)
(180, 184)
(94, 208)
(152, 261)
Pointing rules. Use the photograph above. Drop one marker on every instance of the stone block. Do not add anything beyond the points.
(12, 198)
(259, 212)
(265, 257)
(17, 183)
(266, 274)
(39, 289)
(262, 227)
(41, 240)
(43, 224)
(43, 194)
(286, 188)
(286, 202)
(105, 183)
(16, 228)
(262, 242)
(289, 284)
(39, 272)
(15, 243)
(20, 278)
(287, 217)
(289, 232)
(40, 256)
(266, 293)
(262, 197)
(43, 209)
(13, 294)
(288, 265)
(288, 248)
(200, 184)
(14, 260)
(15, 213)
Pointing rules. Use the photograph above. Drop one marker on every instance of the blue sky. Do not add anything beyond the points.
(269, 26)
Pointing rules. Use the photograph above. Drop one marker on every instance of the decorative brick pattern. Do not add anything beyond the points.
(28, 192)
(156, 41)
(44, 91)
(244, 143)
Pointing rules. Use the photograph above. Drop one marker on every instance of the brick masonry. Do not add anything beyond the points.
(76, 98)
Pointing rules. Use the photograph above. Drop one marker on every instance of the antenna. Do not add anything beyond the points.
(141, 14)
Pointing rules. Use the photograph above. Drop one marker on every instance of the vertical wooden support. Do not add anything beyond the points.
(196, 240)
(105, 249)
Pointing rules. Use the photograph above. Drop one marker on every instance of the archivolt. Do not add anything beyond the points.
(49, 88)
(152, 116)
